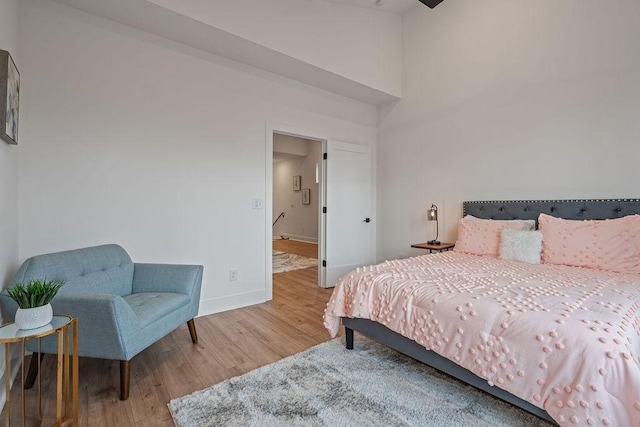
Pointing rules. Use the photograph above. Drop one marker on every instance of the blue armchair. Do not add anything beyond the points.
(122, 307)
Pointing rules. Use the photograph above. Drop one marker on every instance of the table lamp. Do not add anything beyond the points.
(432, 215)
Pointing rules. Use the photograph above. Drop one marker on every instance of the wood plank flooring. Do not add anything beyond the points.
(309, 250)
(230, 344)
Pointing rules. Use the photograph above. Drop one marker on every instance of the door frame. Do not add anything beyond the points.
(286, 129)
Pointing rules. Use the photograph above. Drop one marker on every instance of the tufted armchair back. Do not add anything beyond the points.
(105, 269)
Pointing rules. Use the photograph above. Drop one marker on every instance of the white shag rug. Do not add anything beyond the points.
(284, 261)
(328, 385)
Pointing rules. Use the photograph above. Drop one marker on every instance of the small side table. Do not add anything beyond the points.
(67, 355)
(434, 248)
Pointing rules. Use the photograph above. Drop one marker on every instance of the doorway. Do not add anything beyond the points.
(346, 219)
(273, 129)
(295, 203)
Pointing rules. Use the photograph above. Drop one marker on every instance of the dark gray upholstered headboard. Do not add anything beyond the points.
(568, 209)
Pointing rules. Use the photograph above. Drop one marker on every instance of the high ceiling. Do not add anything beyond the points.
(393, 6)
(147, 16)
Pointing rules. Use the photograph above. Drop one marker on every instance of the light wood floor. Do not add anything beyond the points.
(230, 344)
(310, 250)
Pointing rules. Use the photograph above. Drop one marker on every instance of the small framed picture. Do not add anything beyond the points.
(9, 98)
(297, 182)
(306, 196)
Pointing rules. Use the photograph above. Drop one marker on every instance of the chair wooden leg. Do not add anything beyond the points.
(33, 370)
(125, 379)
(192, 330)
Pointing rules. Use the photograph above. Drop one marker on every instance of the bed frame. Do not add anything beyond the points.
(518, 209)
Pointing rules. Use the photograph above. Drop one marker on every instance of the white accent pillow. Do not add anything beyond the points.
(482, 236)
(519, 245)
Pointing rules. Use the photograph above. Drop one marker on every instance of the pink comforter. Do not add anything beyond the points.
(566, 339)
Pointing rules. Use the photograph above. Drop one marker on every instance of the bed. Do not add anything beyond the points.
(559, 341)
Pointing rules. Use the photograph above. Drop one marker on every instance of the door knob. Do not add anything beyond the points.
(366, 220)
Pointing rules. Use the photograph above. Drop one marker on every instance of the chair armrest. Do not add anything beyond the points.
(100, 308)
(98, 311)
(106, 322)
(184, 279)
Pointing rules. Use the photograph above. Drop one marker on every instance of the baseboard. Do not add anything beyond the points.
(302, 238)
(218, 305)
(15, 368)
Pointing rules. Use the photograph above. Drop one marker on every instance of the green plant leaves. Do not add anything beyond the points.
(35, 293)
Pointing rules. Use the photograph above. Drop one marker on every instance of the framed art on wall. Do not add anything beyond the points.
(306, 196)
(297, 182)
(9, 98)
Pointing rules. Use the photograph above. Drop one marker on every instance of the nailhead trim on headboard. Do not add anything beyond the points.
(568, 209)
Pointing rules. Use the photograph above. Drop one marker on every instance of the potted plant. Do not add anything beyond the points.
(33, 299)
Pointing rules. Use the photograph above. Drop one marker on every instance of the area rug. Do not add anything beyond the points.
(328, 385)
(284, 261)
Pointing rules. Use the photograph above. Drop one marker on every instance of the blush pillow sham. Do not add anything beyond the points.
(611, 244)
(482, 236)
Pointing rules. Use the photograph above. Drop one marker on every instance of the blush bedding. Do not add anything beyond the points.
(566, 339)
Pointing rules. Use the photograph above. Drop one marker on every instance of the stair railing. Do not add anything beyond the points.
(277, 219)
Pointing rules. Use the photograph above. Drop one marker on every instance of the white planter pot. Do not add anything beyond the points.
(31, 318)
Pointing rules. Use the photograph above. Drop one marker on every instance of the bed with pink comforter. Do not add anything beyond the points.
(566, 339)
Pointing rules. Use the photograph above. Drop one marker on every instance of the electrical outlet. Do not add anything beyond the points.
(233, 275)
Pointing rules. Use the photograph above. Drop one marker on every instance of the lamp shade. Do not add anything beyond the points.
(433, 213)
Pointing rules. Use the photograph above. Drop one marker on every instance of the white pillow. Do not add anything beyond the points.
(519, 245)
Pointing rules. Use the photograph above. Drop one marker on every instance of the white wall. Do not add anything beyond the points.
(362, 44)
(133, 139)
(8, 158)
(8, 173)
(300, 221)
(508, 100)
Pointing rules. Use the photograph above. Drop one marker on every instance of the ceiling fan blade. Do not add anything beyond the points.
(431, 3)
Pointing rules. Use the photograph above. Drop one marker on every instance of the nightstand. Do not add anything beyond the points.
(434, 248)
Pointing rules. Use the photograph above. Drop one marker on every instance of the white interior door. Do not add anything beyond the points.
(348, 222)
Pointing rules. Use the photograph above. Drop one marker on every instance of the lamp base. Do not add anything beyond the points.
(433, 242)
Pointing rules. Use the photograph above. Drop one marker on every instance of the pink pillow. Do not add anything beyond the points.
(482, 236)
(610, 244)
